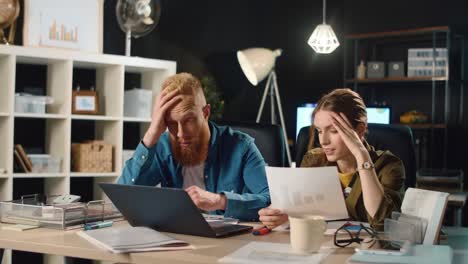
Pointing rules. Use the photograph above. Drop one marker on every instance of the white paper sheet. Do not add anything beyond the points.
(273, 253)
(315, 191)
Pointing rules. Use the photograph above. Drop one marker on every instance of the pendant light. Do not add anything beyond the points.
(323, 39)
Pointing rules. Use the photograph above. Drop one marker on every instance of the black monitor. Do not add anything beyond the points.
(379, 114)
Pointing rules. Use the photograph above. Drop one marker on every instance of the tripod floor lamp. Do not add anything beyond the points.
(258, 63)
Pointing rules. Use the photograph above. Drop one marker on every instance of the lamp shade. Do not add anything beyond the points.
(323, 39)
(256, 63)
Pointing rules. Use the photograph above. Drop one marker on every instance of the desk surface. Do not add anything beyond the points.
(207, 250)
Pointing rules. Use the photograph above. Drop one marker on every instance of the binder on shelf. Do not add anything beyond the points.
(19, 165)
(23, 159)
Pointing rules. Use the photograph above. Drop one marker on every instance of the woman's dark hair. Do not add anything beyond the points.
(343, 100)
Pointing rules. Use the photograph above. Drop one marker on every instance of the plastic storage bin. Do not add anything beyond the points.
(126, 155)
(138, 103)
(43, 163)
(27, 103)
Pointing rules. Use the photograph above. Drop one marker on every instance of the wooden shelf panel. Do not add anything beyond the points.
(94, 174)
(396, 79)
(425, 126)
(43, 116)
(95, 117)
(399, 33)
(39, 175)
(137, 119)
(35, 55)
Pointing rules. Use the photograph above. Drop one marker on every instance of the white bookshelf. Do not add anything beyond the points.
(137, 120)
(96, 117)
(40, 116)
(95, 174)
(108, 124)
(39, 175)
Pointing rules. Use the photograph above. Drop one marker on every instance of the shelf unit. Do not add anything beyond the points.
(431, 37)
(396, 79)
(110, 72)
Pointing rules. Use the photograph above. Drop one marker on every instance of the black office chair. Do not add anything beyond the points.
(268, 138)
(396, 138)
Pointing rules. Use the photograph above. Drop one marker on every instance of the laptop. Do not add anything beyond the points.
(165, 209)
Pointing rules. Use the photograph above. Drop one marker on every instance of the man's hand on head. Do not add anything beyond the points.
(163, 101)
(205, 200)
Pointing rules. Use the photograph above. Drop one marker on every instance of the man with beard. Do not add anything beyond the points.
(221, 169)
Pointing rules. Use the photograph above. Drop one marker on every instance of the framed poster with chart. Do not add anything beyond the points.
(67, 24)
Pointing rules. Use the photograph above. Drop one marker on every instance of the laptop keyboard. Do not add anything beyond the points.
(227, 229)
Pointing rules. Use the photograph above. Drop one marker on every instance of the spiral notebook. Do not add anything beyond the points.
(123, 239)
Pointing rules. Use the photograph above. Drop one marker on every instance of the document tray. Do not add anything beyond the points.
(39, 211)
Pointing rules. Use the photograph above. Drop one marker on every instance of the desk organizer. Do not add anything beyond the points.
(32, 210)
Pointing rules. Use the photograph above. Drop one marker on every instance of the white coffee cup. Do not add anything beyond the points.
(307, 233)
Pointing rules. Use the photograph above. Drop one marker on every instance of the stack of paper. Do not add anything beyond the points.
(274, 253)
(122, 239)
(418, 254)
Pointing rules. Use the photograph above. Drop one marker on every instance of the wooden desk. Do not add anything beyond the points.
(208, 250)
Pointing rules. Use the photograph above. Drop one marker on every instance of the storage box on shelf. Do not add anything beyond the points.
(421, 61)
(44, 163)
(93, 156)
(59, 66)
(28, 103)
(138, 103)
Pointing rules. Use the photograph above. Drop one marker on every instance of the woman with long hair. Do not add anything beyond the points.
(371, 180)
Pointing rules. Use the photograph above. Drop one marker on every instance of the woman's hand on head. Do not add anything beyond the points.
(272, 218)
(350, 136)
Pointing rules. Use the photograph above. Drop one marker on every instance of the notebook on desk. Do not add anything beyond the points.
(165, 209)
(123, 239)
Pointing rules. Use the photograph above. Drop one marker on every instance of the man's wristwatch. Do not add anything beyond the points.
(366, 165)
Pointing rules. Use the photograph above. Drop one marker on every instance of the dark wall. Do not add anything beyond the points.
(203, 37)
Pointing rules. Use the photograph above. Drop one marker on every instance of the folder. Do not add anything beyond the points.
(23, 158)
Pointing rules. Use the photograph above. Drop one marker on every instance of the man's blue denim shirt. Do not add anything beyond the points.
(234, 167)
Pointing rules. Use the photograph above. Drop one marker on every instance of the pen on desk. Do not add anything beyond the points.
(261, 231)
(92, 226)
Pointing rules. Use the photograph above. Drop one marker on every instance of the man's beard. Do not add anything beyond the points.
(193, 155)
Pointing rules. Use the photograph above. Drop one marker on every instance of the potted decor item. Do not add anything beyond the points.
(213, 97)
